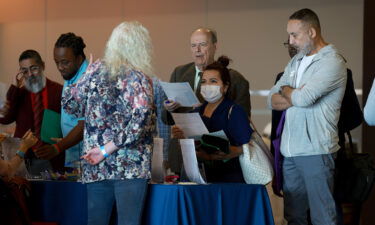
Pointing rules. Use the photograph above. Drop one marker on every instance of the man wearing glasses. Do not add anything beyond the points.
(27, 98)
(203, 45)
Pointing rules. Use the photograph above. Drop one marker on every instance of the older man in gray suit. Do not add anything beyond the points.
(203, 47)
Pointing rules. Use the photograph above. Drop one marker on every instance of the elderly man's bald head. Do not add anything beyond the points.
(203, 46)
(211, 33)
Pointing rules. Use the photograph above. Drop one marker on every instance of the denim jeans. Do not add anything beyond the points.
(129, 196)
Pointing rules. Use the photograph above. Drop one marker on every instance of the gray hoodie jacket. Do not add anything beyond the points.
(311, 123)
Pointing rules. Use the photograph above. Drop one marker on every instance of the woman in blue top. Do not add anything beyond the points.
(219, 113)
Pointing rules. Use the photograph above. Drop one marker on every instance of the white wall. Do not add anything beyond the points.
(251, 32)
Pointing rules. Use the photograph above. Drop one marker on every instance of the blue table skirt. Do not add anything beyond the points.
(221, 204)
(59, 201)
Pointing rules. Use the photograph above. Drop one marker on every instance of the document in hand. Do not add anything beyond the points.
(51, 126)
(190, 123)
(181, 93)
(190, 161)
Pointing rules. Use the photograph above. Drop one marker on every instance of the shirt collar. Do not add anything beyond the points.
(197, 70)
(80, 71)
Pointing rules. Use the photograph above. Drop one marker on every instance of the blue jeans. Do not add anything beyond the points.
(129, 196)
(308, 184)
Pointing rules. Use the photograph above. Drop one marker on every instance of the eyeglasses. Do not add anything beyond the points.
(202, 44)
(33, 70)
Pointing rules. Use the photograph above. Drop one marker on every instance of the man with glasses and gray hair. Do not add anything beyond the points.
(203, 45)
(27, 98)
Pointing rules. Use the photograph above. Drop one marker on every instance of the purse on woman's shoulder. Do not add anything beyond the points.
(256, 159)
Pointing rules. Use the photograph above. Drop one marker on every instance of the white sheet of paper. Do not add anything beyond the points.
(157, 169)
(181, 93)
(190, 123)
(220, 134)
(190, 161)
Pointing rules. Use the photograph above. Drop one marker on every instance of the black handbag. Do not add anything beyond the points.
(213, 144)
(355, 175)
(355, 172)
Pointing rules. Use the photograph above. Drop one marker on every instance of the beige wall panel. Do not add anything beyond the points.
(92, 20)
(253, 36)
(170, 24)
(21, 27)
(252, 33)
(14, 39)
(21, 10)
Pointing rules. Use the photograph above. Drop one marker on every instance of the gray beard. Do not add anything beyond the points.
(307, 48)
(35, 84)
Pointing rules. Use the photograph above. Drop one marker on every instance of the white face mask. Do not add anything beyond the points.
(211, 93)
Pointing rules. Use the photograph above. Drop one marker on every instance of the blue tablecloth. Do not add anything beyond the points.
(59, 201)
(221, 204)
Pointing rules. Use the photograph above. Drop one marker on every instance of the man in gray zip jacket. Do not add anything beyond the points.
(311, 92)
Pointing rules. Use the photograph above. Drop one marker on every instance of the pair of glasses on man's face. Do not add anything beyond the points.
(33, 70)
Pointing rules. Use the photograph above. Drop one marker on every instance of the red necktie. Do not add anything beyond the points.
(38, 109)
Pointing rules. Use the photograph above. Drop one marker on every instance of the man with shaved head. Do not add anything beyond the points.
(311, 91)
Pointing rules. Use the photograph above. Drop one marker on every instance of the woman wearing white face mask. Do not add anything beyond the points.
(219, 113)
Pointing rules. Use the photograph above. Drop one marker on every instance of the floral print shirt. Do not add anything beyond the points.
(116, 109)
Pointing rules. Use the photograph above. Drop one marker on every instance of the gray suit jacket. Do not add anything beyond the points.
(238, 91)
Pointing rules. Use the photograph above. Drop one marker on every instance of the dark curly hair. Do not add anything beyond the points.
(70, 40)
(221, 65)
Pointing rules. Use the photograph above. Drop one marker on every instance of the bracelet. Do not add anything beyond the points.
(20, 153)
(57, 148)
(102, 149)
